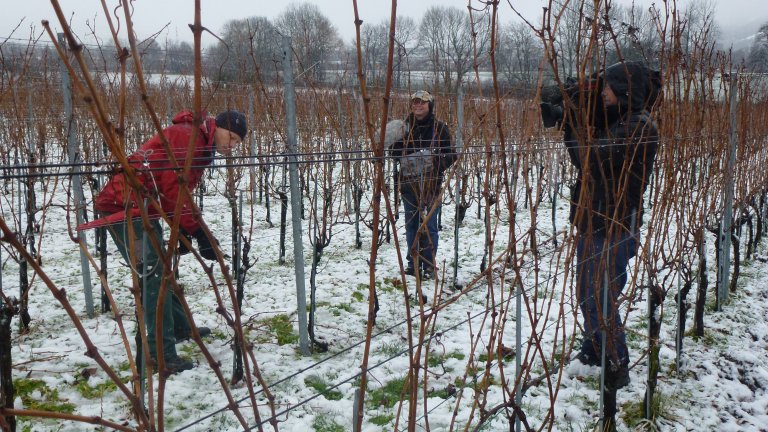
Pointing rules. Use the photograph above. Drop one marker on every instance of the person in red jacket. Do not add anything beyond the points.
(119, 203)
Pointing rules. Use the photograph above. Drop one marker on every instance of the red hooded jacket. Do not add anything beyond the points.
(154, 171)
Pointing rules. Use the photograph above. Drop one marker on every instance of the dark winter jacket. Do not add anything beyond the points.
(614, 167)
(154, 171)
(425, 153)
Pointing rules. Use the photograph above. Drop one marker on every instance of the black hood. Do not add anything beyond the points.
(636, 85)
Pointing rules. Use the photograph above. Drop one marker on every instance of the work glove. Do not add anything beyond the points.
(204, 245)
(183, 249)
(395, 131)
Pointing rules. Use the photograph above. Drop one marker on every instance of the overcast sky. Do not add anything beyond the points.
(153, 15)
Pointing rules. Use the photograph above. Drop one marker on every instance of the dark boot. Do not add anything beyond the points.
(174, 365)
(182, 335)
(617, 376)
(428, 273)
(587, 359)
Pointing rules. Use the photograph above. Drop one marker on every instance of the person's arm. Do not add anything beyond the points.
(446, 151)
(633, 142)
(396, 151)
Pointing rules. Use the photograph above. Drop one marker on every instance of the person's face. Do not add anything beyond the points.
(419, 108)
(609, 97)
(226, 140)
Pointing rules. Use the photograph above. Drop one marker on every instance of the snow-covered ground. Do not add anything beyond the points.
(721, 384)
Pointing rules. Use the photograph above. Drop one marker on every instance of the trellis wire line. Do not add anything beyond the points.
(477, 150)
(476, 287)
(316, 395)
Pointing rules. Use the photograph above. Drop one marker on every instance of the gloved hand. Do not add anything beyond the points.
(395, 131)
(204, 245)
(183, 249)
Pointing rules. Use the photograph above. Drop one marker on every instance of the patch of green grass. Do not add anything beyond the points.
(391, 348)
(36, 395)
(281, 328)
(484, 383)
(633, 412)
(358, 296)
(124, 366)
(320, 386)
(220, 335)
(710, 338)
(345, 307)
(388, 285)
(187, 350)
(387, 395)
(443, 393)
(436, 360)
(319, 305)
(382, 419)
(324, 424)
(89, 391)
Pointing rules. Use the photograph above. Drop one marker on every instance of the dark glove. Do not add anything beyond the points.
(204, 245)
(183, 249)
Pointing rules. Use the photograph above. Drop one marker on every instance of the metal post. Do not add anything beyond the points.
(346, 174)
(7, 395)
(296, 198)
(680, 329)
(604, 257)
(518, 351)
(237, 361)
(457, 178)
(723, 273)
(649, 373)
(23, 265)
(144, 303)
(77, 185)
(355, 412)
(252, 169)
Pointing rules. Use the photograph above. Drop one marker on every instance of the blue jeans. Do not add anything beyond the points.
(420, 242)
(592, 257)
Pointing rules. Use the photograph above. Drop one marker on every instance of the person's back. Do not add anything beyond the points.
(614, 167)
(616, 164)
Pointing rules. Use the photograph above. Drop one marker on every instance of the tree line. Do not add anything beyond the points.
(445, 47)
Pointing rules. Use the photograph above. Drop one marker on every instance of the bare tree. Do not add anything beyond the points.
(374, 43)
(247, 44)
(758, 53)
(635, 35)
(315, 40)
(518, 53)
(570, 34)
(450, 40)
(180, 57)
(152, 55)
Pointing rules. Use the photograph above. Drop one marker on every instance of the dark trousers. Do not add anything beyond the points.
(174, 319)
(422, 242)
(599, 257)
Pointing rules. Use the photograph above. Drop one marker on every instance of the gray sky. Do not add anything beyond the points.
(152, 15)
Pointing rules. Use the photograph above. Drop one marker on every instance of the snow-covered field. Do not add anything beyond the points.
(721, 384)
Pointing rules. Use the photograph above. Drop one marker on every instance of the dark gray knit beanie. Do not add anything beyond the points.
(233, 121)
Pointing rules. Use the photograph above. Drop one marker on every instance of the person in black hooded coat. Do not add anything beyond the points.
(614, 167)
(425, 152)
